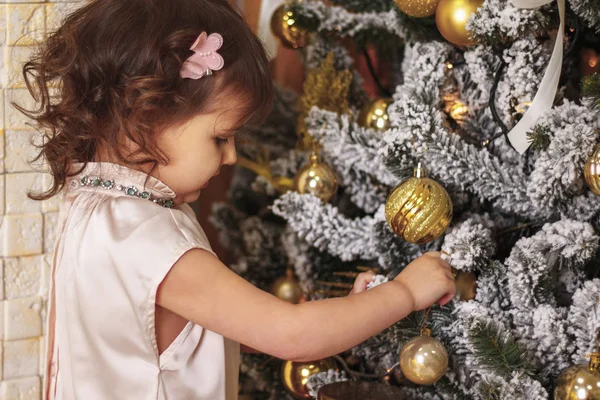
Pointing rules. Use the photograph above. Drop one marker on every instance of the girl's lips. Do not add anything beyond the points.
(205, 186)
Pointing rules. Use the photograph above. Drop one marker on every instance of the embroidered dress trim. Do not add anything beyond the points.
(131, 190)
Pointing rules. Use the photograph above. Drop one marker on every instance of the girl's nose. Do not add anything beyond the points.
(230, 155)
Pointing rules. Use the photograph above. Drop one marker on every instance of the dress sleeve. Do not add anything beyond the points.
(149, 242)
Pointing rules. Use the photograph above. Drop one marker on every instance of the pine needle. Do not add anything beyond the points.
(497, 350)
(591, 88)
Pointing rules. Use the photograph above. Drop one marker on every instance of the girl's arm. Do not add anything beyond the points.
(203, 290)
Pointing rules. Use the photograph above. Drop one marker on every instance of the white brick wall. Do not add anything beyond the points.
(26, 226)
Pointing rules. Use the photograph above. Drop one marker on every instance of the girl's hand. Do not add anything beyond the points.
(429, 280)
(361, 282)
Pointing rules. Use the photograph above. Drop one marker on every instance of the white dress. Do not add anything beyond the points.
(113, 252)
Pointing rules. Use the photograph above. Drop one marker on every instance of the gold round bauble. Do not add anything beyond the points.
(419, 210)
(466, 285)
(316, 178)
(591, 171)
(580, 382)
(451, 18)
(423, 360)
(285, 27)
(375, 115)
(363, 390)
(417, 8)
(287, 288)
(294, 375)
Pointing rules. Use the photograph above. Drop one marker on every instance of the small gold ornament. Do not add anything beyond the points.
(466, 285)
(591, 171)
(423, 360)
(316, 178)
(451, 18)
(417, 8)
(580, 382)
(419, 210)
(288, 288)
(285, 27)
(375, 115)
(294, 375)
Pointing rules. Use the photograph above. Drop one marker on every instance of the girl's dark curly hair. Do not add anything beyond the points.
(111, 71)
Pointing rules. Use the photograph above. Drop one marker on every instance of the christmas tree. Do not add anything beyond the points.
(498, 104)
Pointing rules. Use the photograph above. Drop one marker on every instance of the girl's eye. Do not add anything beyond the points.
(221, 141)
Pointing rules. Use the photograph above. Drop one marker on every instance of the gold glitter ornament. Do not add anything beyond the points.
(419, 210)
(423, 359)
(451, 18)
(288, 288)
(375, 115)
(591, 171)
(294, 375)
(285, 27)
(580, 382)
(326, 88)
(316, 178)
(417, 8)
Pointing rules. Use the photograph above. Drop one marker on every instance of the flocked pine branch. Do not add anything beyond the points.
(589, 11)
(533, 262)
(543, 332)
(323, 226)
(591, 86)
(452, 161)
(517, 387)
(498, 21)
(471, 243)
(526, 60)
(323, 18)
(557, 176)
(348, 146)
(584, 319)
(492, 288)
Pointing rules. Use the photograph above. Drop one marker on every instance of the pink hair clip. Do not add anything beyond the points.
(205, 59)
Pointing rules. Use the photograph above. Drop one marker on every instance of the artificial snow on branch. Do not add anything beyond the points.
(324, 227)
(533, 262)
(471, 243)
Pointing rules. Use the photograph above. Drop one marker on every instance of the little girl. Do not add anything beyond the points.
(139, 101)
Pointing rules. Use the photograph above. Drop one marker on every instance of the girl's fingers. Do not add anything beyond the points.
(361, 282)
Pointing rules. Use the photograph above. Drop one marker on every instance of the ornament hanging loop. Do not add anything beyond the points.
(594, 361)
(425, 331)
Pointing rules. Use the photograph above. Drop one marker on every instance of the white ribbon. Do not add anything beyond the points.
(267, 8)
(544, 98)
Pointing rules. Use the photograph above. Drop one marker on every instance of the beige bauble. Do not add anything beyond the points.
(423, 360)
(288, 288)
(316, 178)
(591, 171)
(580, 382)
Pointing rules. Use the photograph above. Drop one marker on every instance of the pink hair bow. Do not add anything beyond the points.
(205, 59)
